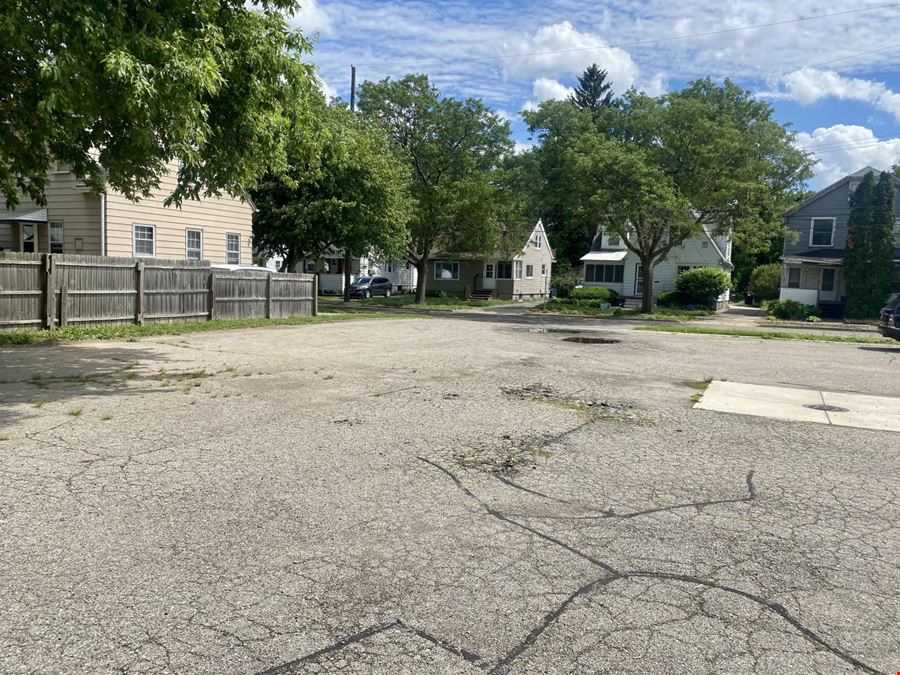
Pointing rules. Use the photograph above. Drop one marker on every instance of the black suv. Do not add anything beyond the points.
(366, 287)
(890, 318)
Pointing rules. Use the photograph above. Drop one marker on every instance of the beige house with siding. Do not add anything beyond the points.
(217, 229)
(522, 271)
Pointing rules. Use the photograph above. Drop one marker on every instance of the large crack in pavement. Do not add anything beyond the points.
(611, 575)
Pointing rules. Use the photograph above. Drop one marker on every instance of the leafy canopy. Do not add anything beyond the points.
(453, 150)
(345, 187)
(868, 261)
(118, 90)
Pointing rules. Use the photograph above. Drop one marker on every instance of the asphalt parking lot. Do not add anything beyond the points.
(442, 495)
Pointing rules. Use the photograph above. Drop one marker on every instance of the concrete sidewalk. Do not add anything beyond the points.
(803, 405)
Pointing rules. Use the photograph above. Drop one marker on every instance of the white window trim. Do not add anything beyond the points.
(538, 241)
(799, 277)
(517, 270)
(228, 250)
(529, 276)
(812, 227)
(187, 250)
(543, 269)
(134, 250)
(446, 262)
(61, 167)
(22, 226)
(62, 230)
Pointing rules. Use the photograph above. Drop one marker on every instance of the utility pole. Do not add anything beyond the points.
(348, 259)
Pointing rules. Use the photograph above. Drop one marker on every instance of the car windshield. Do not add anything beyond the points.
(363, 281)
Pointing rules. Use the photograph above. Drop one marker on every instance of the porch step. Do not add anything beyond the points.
(482, 295)
(633, 302)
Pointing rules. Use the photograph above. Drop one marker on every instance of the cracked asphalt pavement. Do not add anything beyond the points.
(368, 496)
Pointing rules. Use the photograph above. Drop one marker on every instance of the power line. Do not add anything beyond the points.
(638, 43)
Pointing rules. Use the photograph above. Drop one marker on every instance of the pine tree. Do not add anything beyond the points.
(868, 262)
(593, 92)
(881, 245)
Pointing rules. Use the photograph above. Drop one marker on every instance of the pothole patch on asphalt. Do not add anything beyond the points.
(564, 331)
(503, 455)
(826, 408)
(578, 402)
(592, 340)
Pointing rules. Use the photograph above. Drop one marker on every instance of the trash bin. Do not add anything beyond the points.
(748, 298)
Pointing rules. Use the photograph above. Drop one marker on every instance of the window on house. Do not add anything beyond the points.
(543, 269)
(828, 279)
(61, 167)
(194, 244)
(144, 240)
(56, 237)
(529, 271)
(614, 240)
(794, 277)
(29, 238)
(682, 269)
(309, 266)
(233, 249)
(821, 232)
(504, 269)
(704, 244)
(518, 264)
(446, 270)
(538, 241)
(604, 274)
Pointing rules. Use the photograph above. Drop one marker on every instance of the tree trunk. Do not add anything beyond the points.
(421, 279)
(348, 259)
(647, 280)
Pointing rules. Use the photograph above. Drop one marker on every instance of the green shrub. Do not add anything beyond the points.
(563, 288)
(671, 299)
(765, 282)
(703, 285)
(791, 310)
(602, 294)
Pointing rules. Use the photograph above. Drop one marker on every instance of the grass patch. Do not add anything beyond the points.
(106, 416)
(3, 437)
(76, 412)
(701, 387)
(768, 334)
(132, 332)
(583, 309)
(431, 303)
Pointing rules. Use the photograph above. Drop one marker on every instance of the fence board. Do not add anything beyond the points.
(81, 290)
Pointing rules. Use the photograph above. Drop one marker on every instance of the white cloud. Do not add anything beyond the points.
(521, 147)
(547, 89)
(572, 51)
(843, 148)
(314, 19)
(810, 85)
(655, 86)
(326, 89)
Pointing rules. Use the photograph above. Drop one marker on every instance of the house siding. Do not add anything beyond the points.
(77, 210)
(532, 255)
(216, 217)
(468, 271)
(690, 254)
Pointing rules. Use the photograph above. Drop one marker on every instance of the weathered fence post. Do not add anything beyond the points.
(212, 296)
(139, 287)
(268, 296)
(315, 295)
(63, 307)
(49, 297)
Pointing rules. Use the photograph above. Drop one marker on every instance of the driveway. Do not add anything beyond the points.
(441, 495)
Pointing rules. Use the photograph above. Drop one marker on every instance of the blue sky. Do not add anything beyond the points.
(836, 79)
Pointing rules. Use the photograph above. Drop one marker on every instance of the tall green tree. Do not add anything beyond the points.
(708, 157)
(594, 92)
(868, 260)
(453, 149)
(117, 90)
(346, 187)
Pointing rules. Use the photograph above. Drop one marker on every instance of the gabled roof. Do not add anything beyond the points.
(834, 186)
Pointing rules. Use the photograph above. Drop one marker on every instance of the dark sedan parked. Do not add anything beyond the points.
(366, 287)
(890, 318)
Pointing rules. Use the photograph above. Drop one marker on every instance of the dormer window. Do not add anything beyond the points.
(852, 190)
(538, 241)
(614, 240)
(821, 232)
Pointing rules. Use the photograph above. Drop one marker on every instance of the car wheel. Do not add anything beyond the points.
(387, 293)
(367, 295)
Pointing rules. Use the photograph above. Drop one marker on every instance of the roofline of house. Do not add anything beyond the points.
(834, 186)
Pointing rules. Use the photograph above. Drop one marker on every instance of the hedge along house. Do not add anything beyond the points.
(610, 264)
(521, 269)
(217, 229)
(812, 263)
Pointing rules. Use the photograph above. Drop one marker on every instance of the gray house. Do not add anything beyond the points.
(813, 259)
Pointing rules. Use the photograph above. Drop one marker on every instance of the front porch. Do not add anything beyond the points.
(818, 282)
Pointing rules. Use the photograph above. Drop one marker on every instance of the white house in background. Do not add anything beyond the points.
(609, 264)
(330, 268)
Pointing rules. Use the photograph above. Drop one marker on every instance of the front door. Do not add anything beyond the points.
(638, 279)
(489, 280)
(828, 291)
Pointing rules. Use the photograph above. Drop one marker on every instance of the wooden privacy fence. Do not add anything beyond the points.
(41, 290)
